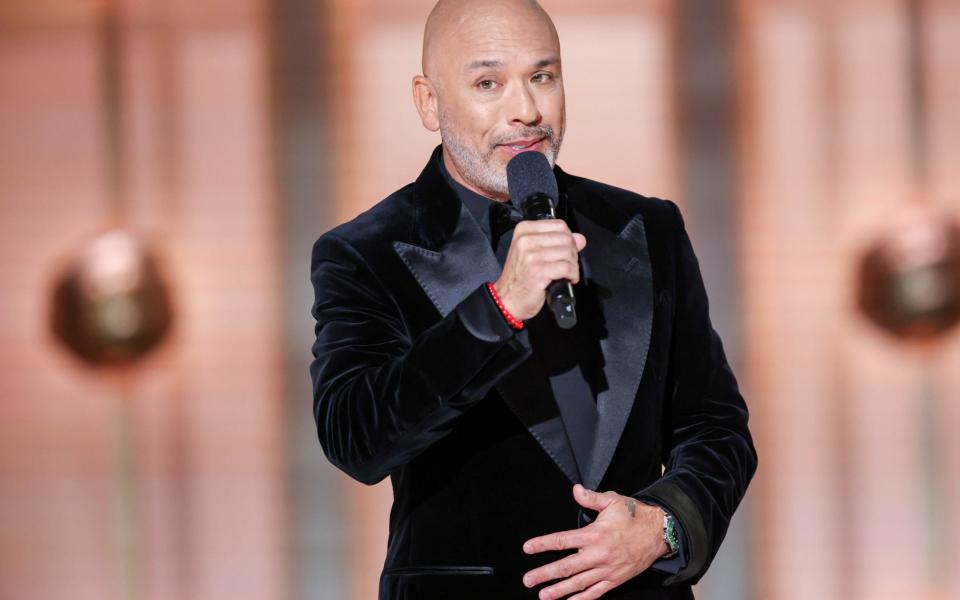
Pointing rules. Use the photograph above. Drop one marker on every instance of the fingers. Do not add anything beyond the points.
(570, 566)
(544, 254)
(543, 225)
(595, 591)
(532, 241)
(545, 234)
(581, 581)
(562, 540)
(549, 231)
(580, 241)
(591, 499)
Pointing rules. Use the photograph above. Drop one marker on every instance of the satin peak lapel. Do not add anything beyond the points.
(463, 264)
(619, 267)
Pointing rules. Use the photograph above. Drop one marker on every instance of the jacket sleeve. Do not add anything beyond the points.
(380, 397)
(709, 455)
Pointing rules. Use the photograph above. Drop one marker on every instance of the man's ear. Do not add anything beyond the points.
(425, 99)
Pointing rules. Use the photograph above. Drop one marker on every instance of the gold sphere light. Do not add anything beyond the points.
(909, 281)
(110, 305)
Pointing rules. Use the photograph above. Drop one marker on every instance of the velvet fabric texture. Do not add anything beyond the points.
(416, 376)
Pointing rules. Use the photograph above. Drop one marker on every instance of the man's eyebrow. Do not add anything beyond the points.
(498, 64)
(484, 64)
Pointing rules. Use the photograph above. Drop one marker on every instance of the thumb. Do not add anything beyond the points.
(580, 241)
(590, 499)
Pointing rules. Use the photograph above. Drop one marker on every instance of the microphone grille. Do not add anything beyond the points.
(529, 173)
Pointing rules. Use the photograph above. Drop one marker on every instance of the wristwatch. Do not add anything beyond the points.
(670, 535)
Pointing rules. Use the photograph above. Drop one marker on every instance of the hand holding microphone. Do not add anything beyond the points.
(543, 258)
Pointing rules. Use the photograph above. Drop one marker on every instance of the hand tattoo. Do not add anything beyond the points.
(631, 506)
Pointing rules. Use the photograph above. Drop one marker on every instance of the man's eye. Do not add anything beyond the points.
(542, 78)
(486, 84)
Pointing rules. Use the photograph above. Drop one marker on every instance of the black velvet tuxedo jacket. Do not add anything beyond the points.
(417, 376)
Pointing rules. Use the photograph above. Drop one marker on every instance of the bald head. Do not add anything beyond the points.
(492, 85)
(451, 19)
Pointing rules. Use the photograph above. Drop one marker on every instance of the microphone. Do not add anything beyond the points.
(533, 189)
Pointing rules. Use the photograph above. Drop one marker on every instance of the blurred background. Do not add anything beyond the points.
(166, 166)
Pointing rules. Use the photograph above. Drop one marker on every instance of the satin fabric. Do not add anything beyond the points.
(416, 376)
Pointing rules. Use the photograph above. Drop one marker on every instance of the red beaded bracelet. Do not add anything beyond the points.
(511, 320)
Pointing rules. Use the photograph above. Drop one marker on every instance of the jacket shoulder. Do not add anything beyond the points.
(657, 213)
(390, 219)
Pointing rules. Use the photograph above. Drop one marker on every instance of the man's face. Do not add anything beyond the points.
(500, 92)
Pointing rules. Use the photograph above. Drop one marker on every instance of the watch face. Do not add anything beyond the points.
(670, 533)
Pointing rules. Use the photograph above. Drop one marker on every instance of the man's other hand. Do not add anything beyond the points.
(624, 540)
(540, 252)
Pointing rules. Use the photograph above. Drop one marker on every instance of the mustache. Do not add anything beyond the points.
(539, 131)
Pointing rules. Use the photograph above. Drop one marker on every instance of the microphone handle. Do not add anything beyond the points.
(562, 303)
(560, 297)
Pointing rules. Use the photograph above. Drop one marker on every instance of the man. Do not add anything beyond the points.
(526, 461)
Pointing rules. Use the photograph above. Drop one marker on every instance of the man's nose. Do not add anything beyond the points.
(523, 107)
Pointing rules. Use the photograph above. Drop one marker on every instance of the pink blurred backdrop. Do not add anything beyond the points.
(787, 131)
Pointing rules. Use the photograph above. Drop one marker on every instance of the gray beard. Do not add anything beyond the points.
(479, 169)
